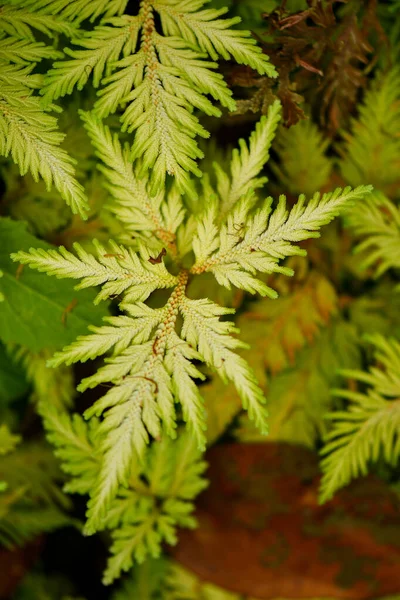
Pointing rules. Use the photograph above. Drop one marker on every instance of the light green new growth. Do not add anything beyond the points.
(158, 496)
(377, 220)
(160, 76)
(159, 66)
(27, 133)
(151, 351)
(368, 429)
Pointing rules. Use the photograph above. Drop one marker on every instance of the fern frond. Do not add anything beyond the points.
(371, 150)
(174, 473)
(159, 78)
(203, 330)
(117, 269)
(257, 241)
(370, 426)
(8, 440)
(30, 137)
(158, 496)
(18, 21)
(73, 440)
(377, 220)
(15, 50)
(303, 165)
(75, 10)
(141, 214)
(248, 161)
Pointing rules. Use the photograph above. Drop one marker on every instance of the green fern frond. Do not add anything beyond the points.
(303, 165)
(252, 242)
(17, 20)
(371, 150)
(149, 217)
(74, 10)
(248, 161)
(151, 351)
(377, 220)
(174, 474)
(370, 426)
(73, 440)
(8, 440)
(15, 50)
(159, 78)
(118, 270)
(158, 496)
(31, 138)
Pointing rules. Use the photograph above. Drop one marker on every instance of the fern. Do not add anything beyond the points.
(302, 151)
(372, 147)
(30, 500)
(27, 133)
(150, 365)
(74, 10)
(159, 77)
(55, 386)
(157, 499)
(369, 427)
(377, 220)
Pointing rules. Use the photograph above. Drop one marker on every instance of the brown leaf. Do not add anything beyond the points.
(262, 533)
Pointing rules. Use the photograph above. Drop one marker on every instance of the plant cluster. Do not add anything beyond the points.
(188, 280)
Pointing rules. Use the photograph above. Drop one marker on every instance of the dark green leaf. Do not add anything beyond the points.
(39, 311)
(12, 379)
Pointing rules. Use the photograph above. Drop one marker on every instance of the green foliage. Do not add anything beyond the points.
(299, 397)
(12, 385)
(301, 152)
(156, 500)
(151, 364)
(377, 220)
(42, 586)
(146, 581)
(30, 499)
(160, 77)
(32, 301)
(53, 386)
(27, 133)
(171, 257)
(369, 427)
(373, 146)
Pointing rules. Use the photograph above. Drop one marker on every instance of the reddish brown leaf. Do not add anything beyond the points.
(262, 533)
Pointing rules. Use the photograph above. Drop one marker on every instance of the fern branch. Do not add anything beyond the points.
(377, 220)
(159, 78)
(251, 242)
(370, 426)
(30, 136)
